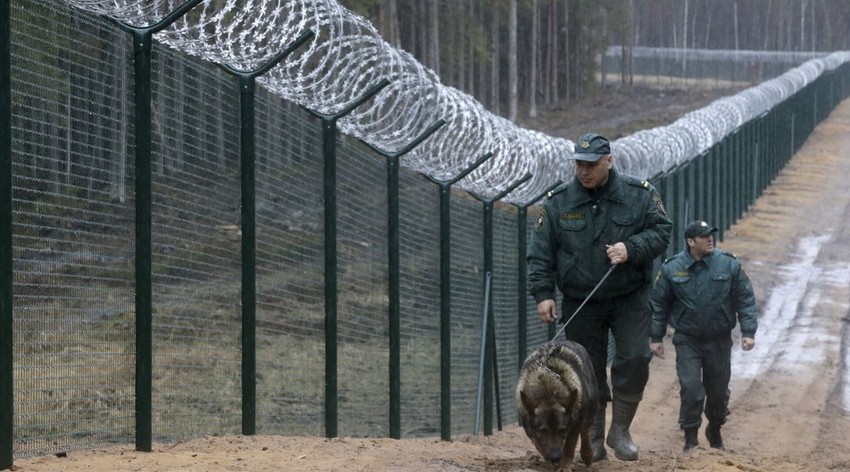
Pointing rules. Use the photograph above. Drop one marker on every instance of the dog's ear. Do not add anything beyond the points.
(528, 402)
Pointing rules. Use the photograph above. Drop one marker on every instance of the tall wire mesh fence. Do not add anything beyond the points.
(74, 344)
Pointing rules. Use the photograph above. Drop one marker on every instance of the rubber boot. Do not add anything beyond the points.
(712, 433)
(691, 440)
(619, 439)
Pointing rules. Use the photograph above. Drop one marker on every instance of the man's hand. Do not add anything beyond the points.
(657, 349)
(546, 311)
(748, 344)
(617, 253)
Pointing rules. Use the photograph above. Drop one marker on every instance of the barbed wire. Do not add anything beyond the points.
(347, 56)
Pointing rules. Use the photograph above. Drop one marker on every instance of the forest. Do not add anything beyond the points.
(508, 53)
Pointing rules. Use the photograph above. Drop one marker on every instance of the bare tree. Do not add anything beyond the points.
(495, 98)
(532, 69)
(552, 56)
(629, 45)
(512, 60)
(802, 25)
(434, 35)
(388, 21)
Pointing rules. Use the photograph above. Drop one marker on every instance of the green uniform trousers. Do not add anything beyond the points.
(627, 319)
(703, 366)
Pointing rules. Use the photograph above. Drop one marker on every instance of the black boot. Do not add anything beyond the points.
(691, 440)
(712, 433)
(619, 438)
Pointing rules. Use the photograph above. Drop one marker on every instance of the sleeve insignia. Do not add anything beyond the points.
(541, 218)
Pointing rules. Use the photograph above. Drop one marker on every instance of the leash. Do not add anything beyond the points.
(610, 269)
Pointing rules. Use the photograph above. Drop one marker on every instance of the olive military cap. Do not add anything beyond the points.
(698, 228)
(590, 147)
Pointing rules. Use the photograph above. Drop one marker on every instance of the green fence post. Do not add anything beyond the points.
(680, 205)
(732, 176)
(7, 397)
(247, 95)
(725, 185)
(142, 45)
(701, 198)
(446, 296)
(488, 331)
(394, 273)
(482, 354)
(712, 190)
(690, 192)
(329, 135)
(762, 152)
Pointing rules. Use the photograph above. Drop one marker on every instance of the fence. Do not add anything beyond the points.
(200, 291)
(695, 67)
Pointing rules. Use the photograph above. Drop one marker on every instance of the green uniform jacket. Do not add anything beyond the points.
(567, 248)
(703, 298)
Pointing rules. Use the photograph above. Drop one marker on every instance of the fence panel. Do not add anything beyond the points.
(72, 233)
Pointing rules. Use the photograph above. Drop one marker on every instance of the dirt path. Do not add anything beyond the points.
(790, 395)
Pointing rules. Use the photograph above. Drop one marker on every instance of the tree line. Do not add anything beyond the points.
(512, 54)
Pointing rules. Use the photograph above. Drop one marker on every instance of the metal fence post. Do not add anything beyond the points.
(446, 296)
(394, 271)
(488, 331)
(247, 95)
(7, 397)
(142, 45)
(329, 135)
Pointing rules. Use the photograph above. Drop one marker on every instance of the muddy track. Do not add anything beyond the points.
(796, 245)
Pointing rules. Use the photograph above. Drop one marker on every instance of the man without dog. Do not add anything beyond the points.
(602, 218)
(702, 293)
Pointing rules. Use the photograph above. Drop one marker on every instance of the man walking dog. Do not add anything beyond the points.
(602, 218)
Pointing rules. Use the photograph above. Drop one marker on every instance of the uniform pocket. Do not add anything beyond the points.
(625, 221)
(622, 218)
(721, 284)
(572, 224)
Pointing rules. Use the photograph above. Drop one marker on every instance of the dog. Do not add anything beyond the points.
(557, 396)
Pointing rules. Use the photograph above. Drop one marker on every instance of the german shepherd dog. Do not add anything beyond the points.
(556, 396)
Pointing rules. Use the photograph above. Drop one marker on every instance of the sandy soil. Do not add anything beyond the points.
(790, 395)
